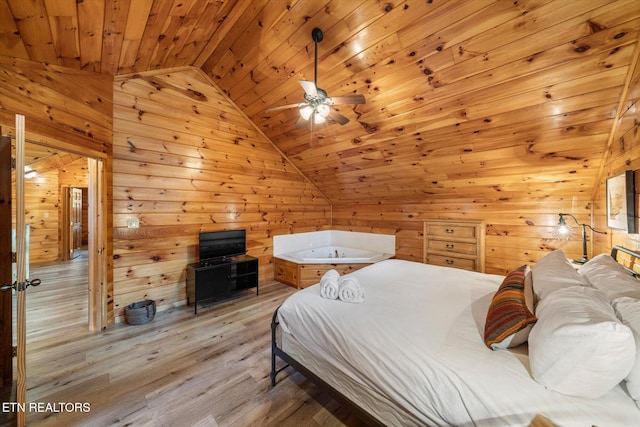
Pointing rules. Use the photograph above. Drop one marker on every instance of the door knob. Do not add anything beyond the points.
(20, 286)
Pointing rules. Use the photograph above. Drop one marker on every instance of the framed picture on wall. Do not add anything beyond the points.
(620, 202)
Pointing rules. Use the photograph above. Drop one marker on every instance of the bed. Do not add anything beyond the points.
(414, 352)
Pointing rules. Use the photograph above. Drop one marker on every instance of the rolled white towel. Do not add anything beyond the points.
(329, 284)
(350, 290)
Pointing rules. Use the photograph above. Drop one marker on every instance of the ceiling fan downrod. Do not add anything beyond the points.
(317, 36)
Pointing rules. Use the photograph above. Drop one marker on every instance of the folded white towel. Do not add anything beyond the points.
(329, 284)
(350, 290)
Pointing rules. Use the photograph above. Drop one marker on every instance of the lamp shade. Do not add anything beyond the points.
(306, 111)
(318, 118)
(323, 110)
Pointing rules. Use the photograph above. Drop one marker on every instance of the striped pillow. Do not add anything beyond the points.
(509, 320)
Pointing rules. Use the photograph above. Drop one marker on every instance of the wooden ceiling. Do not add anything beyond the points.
(465, 99)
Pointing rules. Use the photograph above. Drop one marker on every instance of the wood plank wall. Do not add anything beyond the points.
(522, 230)
(623, 155)
(186, 160)
(518, 231)
(71, 107)
(42, 202)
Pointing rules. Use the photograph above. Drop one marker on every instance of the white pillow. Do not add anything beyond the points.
(628, 311)
(604, 273)
(552, 272)
(578, 346)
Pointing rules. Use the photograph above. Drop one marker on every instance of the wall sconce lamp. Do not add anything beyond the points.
(563, 230)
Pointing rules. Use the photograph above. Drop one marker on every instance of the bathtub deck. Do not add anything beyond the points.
(302, 275)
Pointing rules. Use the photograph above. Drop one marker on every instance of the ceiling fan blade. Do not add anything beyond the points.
(309, 88)
(349, 99)
(284, 107)
(334, 115)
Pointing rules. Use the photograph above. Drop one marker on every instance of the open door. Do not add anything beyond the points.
(20, 286)
(21, 283)
(6, 319)
(76, 221)
(72, 222)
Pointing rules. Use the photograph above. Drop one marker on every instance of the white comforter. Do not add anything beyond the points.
(412, 353)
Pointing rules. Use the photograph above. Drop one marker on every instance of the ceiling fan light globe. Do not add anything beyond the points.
(318, 119)
(323, 110)
(306, 111)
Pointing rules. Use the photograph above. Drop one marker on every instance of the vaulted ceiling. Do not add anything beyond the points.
(463, 98)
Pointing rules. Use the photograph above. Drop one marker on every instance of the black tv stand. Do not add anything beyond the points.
(213, 261)
(220, 278)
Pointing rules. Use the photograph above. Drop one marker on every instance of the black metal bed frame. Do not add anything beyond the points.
(614, 255)
(290, 361)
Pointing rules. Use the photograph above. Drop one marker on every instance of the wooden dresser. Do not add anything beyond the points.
(455, 243)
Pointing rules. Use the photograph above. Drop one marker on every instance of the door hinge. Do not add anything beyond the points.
(13, 163)
(14, 351)
(14, 257)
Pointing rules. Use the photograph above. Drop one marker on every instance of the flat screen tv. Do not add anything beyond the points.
(221, 244)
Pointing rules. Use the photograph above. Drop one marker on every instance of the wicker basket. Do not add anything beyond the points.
(140, 312)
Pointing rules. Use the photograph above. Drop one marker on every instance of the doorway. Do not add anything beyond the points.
(94, 222)
(97, 265)
(55, 222)
(73, 230)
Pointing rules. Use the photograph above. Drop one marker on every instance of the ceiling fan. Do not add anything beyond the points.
(317, 106)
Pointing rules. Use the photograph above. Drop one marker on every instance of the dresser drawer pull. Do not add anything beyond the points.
(450, 246)
(448, 261)
(449, 230)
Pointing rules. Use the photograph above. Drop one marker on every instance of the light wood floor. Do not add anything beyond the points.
(206, 370)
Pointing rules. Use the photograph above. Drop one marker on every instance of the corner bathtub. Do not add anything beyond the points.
(335, 255)
(306, 267)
